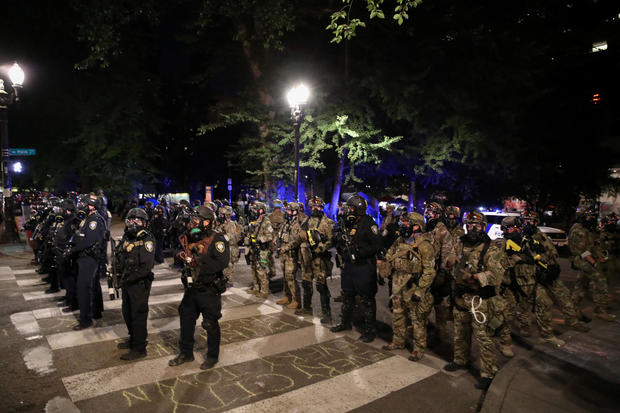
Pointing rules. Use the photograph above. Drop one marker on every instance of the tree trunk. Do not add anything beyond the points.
(333, 207)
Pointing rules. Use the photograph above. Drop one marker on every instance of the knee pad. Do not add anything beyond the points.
(210, 326)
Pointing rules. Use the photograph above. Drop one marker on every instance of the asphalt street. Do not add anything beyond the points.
(271, 359)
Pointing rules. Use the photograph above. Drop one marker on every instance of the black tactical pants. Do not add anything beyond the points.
(360, 279)
(67, 274)
(209, 304)
(85, 287)
(135, 312)
(159, 248)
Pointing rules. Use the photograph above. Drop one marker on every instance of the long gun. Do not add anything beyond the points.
(344, 242)
(187, 272)
(113, 271)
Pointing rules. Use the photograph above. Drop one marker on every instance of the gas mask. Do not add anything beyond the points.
(474, 236)
(195, 234)
(316, 213)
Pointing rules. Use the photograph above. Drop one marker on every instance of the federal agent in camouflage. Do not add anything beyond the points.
(289, 240)
(411, 263)
(316, 237)
(520, 286)
(232, 232)
(258, 241)
(477, 305)
(585, 246)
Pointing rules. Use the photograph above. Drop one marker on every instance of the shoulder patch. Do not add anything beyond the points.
(92, 225)
(374, 229)
(149, 246)
(220, 246)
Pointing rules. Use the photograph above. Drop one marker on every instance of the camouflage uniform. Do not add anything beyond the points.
(610, 243)
(411, 263)
(313, 261)
(289, 241)
(474, 297)
(232, 233)
(519, 287)
(258, 240)
(445, 258)
(556, 289)
(277, 219)
(583, 243)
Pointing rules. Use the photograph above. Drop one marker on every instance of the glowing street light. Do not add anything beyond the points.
(297, 97)
(16, 74)
(18, 167)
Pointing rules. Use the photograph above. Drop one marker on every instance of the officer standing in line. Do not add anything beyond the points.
(316, 238)
(289, 241)
(358, 242)
(258, 240)
(209, 256)
(136, 254)
(276, 217)
(411, 262)
(87, 247)
(478, 308)
(157, 226)
(66, 266)
(232, 232)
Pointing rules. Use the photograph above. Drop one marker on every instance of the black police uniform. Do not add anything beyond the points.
(157, 226)
(136, 258)
(67, 270)
(87, 249)
(202, 297)
(359, 275)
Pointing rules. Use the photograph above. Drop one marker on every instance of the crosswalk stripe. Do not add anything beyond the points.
(30, 282)
(6, 270)
(346, 391)
(93, 335)
(28, 271)
(25, 322)
(6, 276)
(96, 383)
(39, 295)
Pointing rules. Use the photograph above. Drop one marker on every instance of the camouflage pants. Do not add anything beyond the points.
(610, 268)
(586, 274)
(289, 269)
(560, 295)
(464, 326)
(537, 297)
(260, 271)
(272, 262)
(229, 271)
(443, 314)
(314, 269)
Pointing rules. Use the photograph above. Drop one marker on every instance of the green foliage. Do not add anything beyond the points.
(343, 26)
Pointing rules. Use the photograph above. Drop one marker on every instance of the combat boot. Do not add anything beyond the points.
(557, 342)
(326, 310)
(306, 308)
(368, 311)
(180, 359)
(601, 314)
(393, 346)
(262, 295)
(452, 366)
(293, 305)
(252, 291)
(415, 356)
(506, 351)
(208, 363)
(283, 301)
(348, 303)
(582, 317)
(484, 383)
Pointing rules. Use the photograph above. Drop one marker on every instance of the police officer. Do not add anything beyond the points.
(209, 256)
(66, 265)
(478, 308)
(232, 232)
(136, 256)
(258, 240)
(358, 242)
(288, 246)
(158, 225)
(411, 260)
(87, 250)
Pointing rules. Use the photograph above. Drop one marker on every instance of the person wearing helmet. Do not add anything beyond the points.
(158, 225)
(136, 253)
(445, 258)
(521, 285)
(87, 250)
(411, 263)
(585, 246)
(453, 221)
(288, 241)
(208, 256)
(53, 241)
(541, 245)
(259, 237)
(358, 242)
(65, 265)
(316, 241)
(478, 309)
(232, 232)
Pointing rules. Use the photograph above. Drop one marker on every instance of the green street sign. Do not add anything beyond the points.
(22, 152)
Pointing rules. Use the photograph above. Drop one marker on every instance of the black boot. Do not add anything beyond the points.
(348, 302)
(306, 308)
(326, 317)
(368, 306)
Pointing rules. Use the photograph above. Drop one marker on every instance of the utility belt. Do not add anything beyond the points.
(209, 283)
(483, 292)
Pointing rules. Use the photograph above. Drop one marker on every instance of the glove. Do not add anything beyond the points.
(466, 276)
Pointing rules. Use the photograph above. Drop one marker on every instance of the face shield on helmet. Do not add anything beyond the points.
(433, 213)
(475, 226)
(511, 227)
(136, 220)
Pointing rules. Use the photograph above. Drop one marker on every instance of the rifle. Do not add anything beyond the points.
(545, 273)
(113, 272)
(188, 264)
(343, 244)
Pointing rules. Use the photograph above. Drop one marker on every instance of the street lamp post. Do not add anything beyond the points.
(297, 98)
(16, 74)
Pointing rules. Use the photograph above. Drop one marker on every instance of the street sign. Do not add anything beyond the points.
(22, 152)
